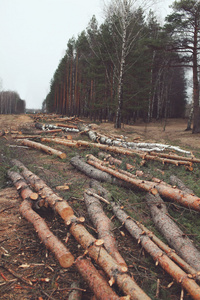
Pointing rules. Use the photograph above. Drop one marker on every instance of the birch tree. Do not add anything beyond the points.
(125, 18)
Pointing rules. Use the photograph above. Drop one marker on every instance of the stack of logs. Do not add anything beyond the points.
(104, 249)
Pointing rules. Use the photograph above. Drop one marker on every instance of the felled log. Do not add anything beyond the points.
(44, 148)
(148, 147)
(69, 143)
(121, 150)
(67, 126)
(96, 282)
(90, 171)
(175, 181)
(114, 161)
(45, 127)
(176, 157)
(118, 162)
(169, 251)
(103, 225)
(63, 255)
(49, 131)
(170, 193)
(20, 137)
(175, 237)
(158, 255)
(83, 237)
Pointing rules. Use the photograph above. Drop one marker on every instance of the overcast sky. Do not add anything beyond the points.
(34, 36)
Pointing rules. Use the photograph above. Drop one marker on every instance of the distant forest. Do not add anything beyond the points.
(122, 70)
(10, 103)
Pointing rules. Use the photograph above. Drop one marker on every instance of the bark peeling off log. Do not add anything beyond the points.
(103, 225)
(175, 237)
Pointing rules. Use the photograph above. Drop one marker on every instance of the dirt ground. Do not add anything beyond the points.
(21, 252)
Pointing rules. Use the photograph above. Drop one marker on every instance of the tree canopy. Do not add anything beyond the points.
(120, 70)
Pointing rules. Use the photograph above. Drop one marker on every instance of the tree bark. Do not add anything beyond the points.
(161, 258)
(168, 192)
(170, 252)
(175, 237)
(96, 282)
(84, 238)
(119, 150)
(196, 120)
(175, 181)
(103, 225)
(44, 148)
(90, 171)
(63, 255)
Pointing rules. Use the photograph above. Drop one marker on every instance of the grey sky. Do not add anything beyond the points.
(34, 36)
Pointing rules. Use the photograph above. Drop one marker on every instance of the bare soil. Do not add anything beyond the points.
(21, 251)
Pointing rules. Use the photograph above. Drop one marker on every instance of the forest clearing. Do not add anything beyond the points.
(85, 219)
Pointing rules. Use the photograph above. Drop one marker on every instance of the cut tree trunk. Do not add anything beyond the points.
(158, 255)
(44, 148)
(49, 131)
(96, 282)
(20, 137)
(170, 193)
(90, 171)
(83, 237)
(63, 255)
(120, 142)
(49, 127)
(175, 237)
(114, 161)
(175, 181)
(103, 225)
(169, 251)
(120, 150)
(67, 126)
(176, 157)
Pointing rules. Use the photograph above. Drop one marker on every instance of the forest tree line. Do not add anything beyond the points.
(128, 64)
(10, 103)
